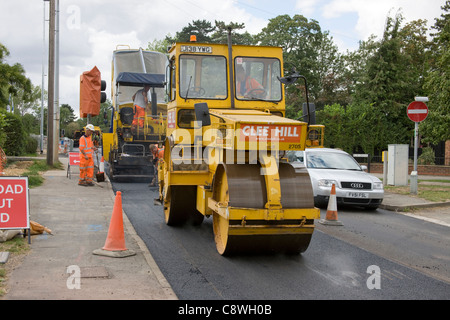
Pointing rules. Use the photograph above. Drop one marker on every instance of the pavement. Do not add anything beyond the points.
(62, 266)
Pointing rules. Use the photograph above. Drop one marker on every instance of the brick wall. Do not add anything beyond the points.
(421, 169)
(432, 170)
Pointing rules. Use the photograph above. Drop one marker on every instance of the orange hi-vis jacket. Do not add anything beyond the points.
(139, 116)
(86, 148)
(159, 154)
(247, 85)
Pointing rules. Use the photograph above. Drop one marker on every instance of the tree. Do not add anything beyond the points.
(159, 45)
(415, 48)
(391, 76)
(353, 127)
(66, 114)
(381, 82)
(25, 105)
(105, 109)
(200, 28)
(436, 128)
(207, 33)
(220, 34)
(311, 52)
(355, 65)
(12, 80)
(380, 78)
(66, 117)
(335, 119)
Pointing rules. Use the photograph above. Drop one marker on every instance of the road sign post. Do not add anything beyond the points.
(74, 160)
(417, 111)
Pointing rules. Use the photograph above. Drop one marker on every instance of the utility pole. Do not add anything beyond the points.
(56, 130)
(51, 85)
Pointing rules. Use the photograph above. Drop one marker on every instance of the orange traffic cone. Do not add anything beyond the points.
(115, 241)
(102, 165)
(101, 171)
(332, 216)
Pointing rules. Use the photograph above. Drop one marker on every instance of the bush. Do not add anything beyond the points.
(427, 156)
(2, 125)
(15, 135)
(31, 145)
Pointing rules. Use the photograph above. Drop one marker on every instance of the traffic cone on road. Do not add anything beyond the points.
(115, 241)
(332, 216)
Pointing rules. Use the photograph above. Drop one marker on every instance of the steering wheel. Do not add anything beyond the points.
(198, 91)
(253, 93)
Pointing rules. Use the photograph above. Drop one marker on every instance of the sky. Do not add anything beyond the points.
(90, 30)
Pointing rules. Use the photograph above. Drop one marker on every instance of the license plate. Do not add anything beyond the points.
(364, 195)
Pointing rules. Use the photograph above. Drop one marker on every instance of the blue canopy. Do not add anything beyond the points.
(140, 79)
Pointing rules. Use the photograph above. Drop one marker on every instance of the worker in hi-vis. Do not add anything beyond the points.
(87, 149)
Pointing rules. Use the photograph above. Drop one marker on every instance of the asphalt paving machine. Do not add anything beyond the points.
(126, 147)
(226, 135)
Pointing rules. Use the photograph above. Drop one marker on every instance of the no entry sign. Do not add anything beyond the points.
(417, 111)
(14, 203)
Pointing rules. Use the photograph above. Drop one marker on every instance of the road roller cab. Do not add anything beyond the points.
(226, 134)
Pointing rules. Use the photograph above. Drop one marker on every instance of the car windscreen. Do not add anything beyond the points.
(331, 160)
(295, 156)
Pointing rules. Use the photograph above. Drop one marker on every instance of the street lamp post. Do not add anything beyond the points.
(43, 82)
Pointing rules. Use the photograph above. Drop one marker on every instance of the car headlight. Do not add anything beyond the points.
(378, 186)
(326, 183)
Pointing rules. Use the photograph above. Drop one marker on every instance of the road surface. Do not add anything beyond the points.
(375, 255)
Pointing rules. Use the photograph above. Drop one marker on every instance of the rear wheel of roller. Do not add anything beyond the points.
(180, 206)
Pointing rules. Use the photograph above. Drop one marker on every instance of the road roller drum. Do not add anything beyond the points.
(251, 226)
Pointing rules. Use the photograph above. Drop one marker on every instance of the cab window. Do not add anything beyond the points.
(257, 78)
(186, 118)
(203, 77)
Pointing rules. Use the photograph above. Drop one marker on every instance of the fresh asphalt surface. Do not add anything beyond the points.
(335, 266)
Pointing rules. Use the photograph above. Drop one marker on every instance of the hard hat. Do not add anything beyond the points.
(90, 127)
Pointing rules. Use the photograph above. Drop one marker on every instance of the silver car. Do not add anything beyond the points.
(354, 186)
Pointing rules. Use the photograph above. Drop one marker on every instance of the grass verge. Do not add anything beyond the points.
(431, 190)
(17, 247)
(33, 170)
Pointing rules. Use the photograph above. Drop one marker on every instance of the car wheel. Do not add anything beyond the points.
(320, 202)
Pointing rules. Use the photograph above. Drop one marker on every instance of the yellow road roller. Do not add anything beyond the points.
(225, 140)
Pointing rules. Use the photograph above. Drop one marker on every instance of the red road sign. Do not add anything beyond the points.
(14, 203)
(74, 159)
(417, 111)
